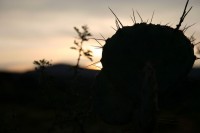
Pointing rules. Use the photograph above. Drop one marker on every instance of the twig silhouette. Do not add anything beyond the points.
(82, 36)
(41, 66)
(183, 15)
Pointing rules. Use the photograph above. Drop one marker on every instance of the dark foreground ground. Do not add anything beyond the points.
(54, 103)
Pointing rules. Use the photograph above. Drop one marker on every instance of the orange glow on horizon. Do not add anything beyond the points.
(97, 66)
(28, 35)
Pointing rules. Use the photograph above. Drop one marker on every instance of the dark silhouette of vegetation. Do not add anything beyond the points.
(183, 15)
(141, 63)
(41, 66)
(82, 37)
(76, 105)
(80, 114)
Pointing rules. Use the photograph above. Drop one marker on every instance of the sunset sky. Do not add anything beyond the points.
(36, 29)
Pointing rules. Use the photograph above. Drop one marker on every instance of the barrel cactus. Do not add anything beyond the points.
(140, 64)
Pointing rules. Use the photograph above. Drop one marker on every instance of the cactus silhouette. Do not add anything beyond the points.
(141, 62)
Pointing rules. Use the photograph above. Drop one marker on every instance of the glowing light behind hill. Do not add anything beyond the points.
(33, 30)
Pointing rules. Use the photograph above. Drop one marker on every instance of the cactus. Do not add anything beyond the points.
(126, 52)
(160, 52)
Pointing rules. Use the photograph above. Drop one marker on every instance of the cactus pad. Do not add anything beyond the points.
(124, 57)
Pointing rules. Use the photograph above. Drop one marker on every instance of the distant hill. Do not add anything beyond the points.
(25, 101)
(19, 86)
(59, 72)
(65, 70)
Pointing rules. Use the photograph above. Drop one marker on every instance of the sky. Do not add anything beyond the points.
(43, 29)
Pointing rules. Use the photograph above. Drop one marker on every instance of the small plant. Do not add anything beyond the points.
(79, 104)
(82, 37)
(75, 103)
(42, 64)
